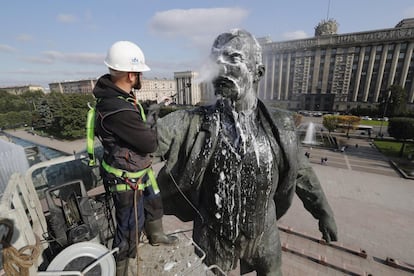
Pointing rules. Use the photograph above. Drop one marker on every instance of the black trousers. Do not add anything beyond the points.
(149, 208)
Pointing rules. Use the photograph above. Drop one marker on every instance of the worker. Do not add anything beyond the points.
(128, 136)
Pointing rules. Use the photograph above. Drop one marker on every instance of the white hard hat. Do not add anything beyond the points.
(126, 56)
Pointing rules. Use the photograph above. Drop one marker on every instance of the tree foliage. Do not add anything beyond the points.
(350, 122)
(401, 129)
(297, 118)
(56, 114)
(14, 119)
(330, 122)
(393, 102)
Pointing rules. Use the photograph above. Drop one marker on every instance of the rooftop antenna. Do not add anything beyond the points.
(329, 6)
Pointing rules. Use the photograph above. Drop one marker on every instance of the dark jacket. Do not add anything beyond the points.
(126, 138)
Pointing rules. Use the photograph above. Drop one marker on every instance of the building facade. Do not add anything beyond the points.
(69, 87)
(337, 72)
(18, 90)
(157, 90)
(188, 90)
(152, 89)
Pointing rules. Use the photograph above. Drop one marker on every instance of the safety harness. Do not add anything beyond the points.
(133, 180)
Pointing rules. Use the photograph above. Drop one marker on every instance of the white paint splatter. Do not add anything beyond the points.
(168, 266)
(218, 200)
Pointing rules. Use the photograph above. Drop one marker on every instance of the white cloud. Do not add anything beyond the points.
(295, 35)
(24, 37)
(198, 26)
(6, 48)
(38, 60)
(50, 57)
(85, 58)
(66, 18)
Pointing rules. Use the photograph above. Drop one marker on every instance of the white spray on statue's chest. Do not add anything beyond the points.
(248, 144)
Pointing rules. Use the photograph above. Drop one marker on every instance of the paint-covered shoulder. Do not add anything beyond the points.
(283, 118)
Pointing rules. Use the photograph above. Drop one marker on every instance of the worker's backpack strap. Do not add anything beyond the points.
(136, 105)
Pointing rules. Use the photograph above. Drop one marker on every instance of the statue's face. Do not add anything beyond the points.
(236, 57)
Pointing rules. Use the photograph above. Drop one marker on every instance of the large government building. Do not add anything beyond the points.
(337, 72)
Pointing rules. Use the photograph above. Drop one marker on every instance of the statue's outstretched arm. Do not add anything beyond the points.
(309, 190)
(174, 144)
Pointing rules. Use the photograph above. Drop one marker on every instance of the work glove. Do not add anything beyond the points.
(327, 227)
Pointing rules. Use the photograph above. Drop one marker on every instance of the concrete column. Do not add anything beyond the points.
(393, 68)
(369, 73)
(358, 74)
(411, 93)
(407, 60)
(316, 65)
(326, 71)
(380, 72)
(267, 73)
(286, 92)
(272, 86)
(280, 78)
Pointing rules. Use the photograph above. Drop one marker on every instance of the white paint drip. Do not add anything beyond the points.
(168, 266)
(218, 200)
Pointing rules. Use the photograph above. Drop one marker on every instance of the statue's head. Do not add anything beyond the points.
(239, 58)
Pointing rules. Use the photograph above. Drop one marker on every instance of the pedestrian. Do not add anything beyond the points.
(307, 154)
(239, 165)
(128, 136)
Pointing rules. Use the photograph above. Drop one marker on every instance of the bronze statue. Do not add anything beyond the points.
(239, 164)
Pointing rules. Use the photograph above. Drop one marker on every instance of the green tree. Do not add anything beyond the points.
(330, 122)
(14, 119)
(393, 102)
(64, 115)
(42, 117)
(401, 129)
(9, 102)
(57, 114)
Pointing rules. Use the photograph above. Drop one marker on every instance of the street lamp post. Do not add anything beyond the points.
(385, 111)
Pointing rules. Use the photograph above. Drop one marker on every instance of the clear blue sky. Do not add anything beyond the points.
(56, 40)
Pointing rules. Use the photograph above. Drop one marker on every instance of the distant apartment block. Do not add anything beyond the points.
(152, 89)
(337, 72)
(157, 90)
(76, 86)
(18, 90)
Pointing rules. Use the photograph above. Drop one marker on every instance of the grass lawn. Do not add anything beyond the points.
(392, 148)
(373, 123)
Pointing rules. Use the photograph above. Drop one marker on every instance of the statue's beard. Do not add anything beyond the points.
(226, 87)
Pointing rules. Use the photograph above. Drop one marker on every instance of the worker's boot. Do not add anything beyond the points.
(156, 235)
(122, 267)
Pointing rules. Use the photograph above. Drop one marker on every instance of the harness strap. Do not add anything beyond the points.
(126, 187)
(90, 135)
(132, 175)
(90, 127)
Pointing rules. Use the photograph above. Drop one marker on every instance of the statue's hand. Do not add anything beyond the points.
(327, 227)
